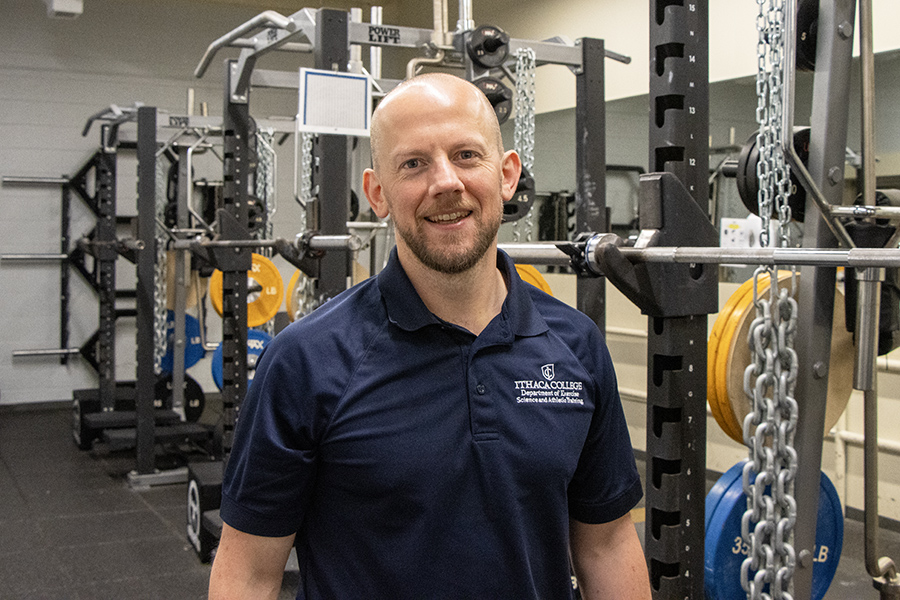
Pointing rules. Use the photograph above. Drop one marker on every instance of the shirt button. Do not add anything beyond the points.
(480, 389)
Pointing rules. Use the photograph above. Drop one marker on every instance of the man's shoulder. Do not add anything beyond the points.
(557, 313)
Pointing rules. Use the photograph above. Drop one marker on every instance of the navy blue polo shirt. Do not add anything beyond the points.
(416, 460)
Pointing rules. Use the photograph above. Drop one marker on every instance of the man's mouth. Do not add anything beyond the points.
(449, 217)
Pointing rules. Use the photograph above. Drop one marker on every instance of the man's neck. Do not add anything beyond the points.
(470, 299)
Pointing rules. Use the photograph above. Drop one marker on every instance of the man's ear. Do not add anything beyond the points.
(374, 193)
(511, 170)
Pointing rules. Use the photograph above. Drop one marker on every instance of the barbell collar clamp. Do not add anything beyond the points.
(592, 248)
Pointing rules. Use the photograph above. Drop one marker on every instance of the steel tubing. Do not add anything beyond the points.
(48, 352)
(33, 257)
(335, 242)
(315, 242)
(262, 20)
(868, 211)
(14, 179)
(856, 257)
(541, 253)
(868, 311)
(548, 253)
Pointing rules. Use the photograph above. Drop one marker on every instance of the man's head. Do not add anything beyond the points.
(440, 171)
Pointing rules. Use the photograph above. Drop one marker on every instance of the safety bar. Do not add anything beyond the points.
(48, 352)
(33, 257)
(17, 180)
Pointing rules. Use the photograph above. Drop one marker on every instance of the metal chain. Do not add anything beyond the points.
(306, 167)
(264, 188)
(523, 137)
(160, 329)
(769, 381)
(304, 291)
(265, 176)
(524, 131)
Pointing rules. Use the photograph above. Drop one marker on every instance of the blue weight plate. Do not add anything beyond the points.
(719, 488)
(256, 341)
(725, 550)
(193, 350)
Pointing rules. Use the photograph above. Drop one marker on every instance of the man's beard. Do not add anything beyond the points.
(438, 259)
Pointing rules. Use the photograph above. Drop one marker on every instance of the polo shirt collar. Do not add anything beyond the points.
(406, 309)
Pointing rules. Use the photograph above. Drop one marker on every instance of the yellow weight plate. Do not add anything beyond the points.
(734, 357)
(264, 291)
(531, 275)
(717, 406)
(196, 287)
(840, 367)
(360, 273)
(732, 423)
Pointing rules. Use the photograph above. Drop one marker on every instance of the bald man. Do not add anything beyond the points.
(442, 430)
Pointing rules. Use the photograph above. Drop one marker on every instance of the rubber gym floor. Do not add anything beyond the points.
(71, 528)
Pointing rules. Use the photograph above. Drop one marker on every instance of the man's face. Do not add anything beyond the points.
(441, 176)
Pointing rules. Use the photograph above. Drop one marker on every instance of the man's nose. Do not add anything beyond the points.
(444, 177)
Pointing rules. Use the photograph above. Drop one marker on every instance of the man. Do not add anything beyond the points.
(443, 430)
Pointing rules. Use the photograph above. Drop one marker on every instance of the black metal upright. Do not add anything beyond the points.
(590, 168)
(234, 263)
(677, 344)
(105, 255)
(331, 173)
(144, 289)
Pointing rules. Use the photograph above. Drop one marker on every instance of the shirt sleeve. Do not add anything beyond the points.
(269, 476)
(606, 484)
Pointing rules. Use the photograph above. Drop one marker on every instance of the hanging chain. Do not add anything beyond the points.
(769, 381)
(160, 326)
(265, 177)
(265, 190)
(306, 166)
(304, 291)
(523, 137)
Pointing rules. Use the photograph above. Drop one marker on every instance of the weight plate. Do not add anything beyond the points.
(291, 297)
(718, 405)
(488, 46)
(733, 357)
(193, 349)
(730, 422)
(725, 549)
(714, 497)
(498, 95)
(194, 399)
(256, 341)
(264, 291)
(196, 289)
(748, 182)
(531, 275)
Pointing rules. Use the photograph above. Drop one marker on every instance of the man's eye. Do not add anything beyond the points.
(466, 154)
(411, 163)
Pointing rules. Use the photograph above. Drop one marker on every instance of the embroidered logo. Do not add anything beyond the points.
(549, 390)
(548, 372)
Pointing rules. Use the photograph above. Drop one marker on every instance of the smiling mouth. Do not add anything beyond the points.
(449, 217)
